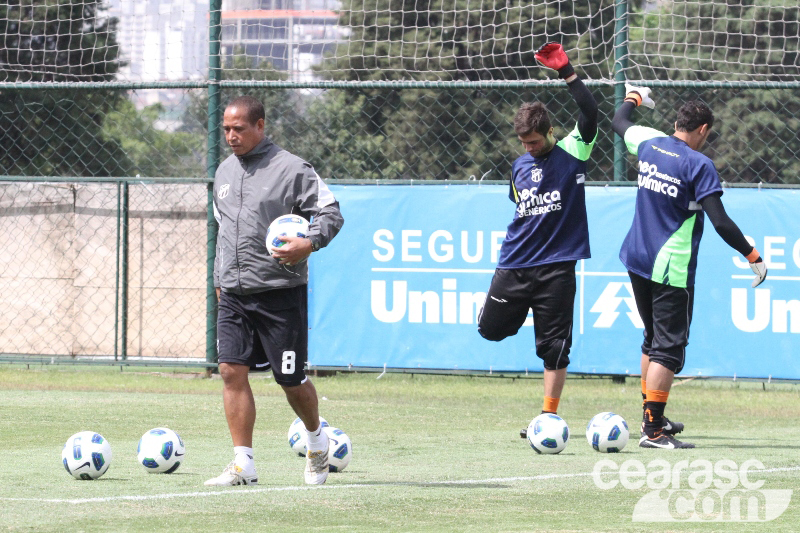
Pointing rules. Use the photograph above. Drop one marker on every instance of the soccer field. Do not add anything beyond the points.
(430, 453)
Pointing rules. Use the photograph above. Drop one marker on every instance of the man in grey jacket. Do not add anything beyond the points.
(263, 310)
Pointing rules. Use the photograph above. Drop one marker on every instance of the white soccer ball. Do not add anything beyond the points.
(607, 432)
(298, 437)
(548, 433)
(86, 455)
(340, 450)
(160, 450)
(285, 226)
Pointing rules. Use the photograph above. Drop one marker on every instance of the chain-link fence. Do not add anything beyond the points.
(371, 134)
(105, 100)
(103, 268)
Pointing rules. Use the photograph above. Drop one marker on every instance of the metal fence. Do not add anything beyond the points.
(105, 227)
(103, 267)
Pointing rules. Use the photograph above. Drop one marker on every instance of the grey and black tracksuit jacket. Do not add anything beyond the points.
(251, 191)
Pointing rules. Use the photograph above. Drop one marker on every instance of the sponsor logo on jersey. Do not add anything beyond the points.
(650, 178)
(665, 152)
(531, 203)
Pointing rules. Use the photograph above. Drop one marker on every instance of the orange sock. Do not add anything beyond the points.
(657, 396)
(644, 391)
(550, 405)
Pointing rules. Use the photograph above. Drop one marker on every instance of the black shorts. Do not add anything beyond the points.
(547, 290)
(667, 315)
(266, 329)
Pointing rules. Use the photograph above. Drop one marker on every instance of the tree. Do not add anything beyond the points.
(284, 121)
(755, 131)
(58, 132)
(336, 145)
(454, 134)
(447, 133)
(151, 151)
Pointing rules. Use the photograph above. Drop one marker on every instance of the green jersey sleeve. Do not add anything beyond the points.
(636, 135)
(575, 146)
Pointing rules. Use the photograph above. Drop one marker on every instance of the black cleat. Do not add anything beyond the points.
(664, 441)
(669, 427)
(523, 433)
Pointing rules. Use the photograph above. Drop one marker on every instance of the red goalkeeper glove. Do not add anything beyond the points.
(758, 266)
(552, 55)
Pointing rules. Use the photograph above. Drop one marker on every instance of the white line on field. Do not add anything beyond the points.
(292, 489)
(242, 491)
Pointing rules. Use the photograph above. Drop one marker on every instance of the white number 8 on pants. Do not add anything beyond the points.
(287, 366)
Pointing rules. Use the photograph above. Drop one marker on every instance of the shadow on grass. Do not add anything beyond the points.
(751, 445)
(712, 437)
(437, 484)
(155, 476)
(352, 484)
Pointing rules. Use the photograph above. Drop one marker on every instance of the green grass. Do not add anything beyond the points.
(416, 439)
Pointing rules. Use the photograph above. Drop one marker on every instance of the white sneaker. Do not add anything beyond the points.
(233, 475)
(317, 466)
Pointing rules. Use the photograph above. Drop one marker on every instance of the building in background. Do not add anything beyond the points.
(167, 40)
(162, 40)
(292, 35)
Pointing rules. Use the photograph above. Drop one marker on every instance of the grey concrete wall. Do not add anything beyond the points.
(58, 256)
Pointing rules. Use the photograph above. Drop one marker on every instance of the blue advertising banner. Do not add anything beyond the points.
(403, 282)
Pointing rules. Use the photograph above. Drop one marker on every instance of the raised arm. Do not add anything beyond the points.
(634, 97)
(587, 122)
(622, 118)
(552, 55)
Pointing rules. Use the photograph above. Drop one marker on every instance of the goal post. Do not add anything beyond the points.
(124, 91)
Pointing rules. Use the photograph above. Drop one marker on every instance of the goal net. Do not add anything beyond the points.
(398, 40)
(99, 95)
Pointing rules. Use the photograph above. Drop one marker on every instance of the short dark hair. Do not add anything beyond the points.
(692, 115)
(254, 109)
(532, 116)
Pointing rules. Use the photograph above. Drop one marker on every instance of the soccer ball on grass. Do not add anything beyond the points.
(607, 432)
(298, 436)
(160, 450)
(86, 455)
(548, 433)
(340, 449)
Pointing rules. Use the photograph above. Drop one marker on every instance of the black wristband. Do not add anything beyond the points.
(566, 71)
